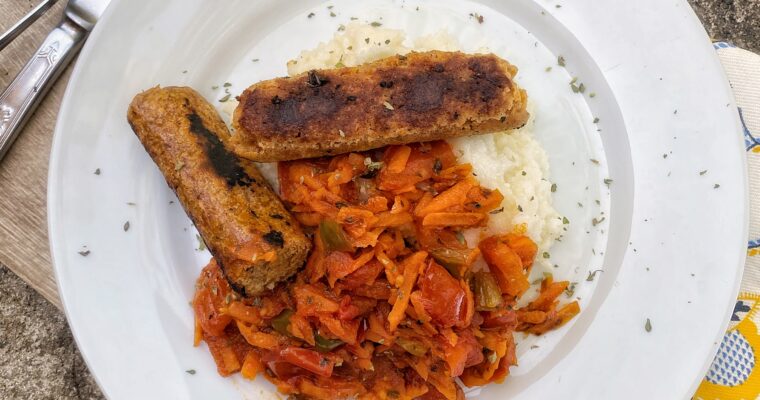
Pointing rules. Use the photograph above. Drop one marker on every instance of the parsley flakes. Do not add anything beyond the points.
(478, 17)
(592, 275)
(201, 243)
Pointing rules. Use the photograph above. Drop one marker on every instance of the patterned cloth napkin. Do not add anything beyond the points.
(735, 373)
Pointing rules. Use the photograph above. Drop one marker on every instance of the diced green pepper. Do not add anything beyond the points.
(451, 259)
(281, 322)
(487, 292)
(333, 236)
(412, 346)
(323, 344)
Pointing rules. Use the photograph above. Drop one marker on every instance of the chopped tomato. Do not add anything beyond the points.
(280, 368)
(442, 296)
(209, 299)
(352, 307)
(474, 349)
(465, 353)
(309, 360)
(365, 275)
(499, 319)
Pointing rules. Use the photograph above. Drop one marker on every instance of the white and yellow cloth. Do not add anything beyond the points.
(735, 372)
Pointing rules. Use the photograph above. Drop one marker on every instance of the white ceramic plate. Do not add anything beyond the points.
(671, 245)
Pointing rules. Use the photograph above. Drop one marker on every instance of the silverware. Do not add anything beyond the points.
(28, 19)
(26, 90)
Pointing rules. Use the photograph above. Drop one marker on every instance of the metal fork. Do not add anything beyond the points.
(26, 90)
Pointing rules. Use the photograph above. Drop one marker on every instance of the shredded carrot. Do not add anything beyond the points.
(416, 299)
(257, 339)
(386, 306)
(523, 246)
(391, 270)
(312, 301)
(452, 219)
(376, 204)
(242, 312)
(553, 320)
(505, 265)
(344, 330)
(391, 219)
(411, 267)
(397, 158)
(549, 293)
(453, 197)
(301, 329)
(252, 366)
(400, 204)
(198, 333)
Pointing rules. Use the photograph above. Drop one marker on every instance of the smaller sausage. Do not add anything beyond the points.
(242, 221)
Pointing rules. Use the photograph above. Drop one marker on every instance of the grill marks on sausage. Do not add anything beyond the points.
(274, 238)
(425, 92)
(225, 163)
(227, 166)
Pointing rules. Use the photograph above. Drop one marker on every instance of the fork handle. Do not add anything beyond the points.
(18, 101)
(24, 23)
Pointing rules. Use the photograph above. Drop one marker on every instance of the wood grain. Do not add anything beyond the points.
(23, 173)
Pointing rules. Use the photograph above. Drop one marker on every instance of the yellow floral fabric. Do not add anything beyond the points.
(735, 372)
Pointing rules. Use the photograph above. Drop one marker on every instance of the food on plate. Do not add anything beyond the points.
(398, 299)
(393, 264)
(419, 96)
(249, 232)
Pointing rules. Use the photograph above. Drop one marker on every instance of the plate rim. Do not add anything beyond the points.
(697, 24)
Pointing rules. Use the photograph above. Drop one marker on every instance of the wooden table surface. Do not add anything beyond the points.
(23, 173)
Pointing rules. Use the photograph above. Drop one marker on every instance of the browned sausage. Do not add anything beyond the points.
(244, 224)
(400, 99)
